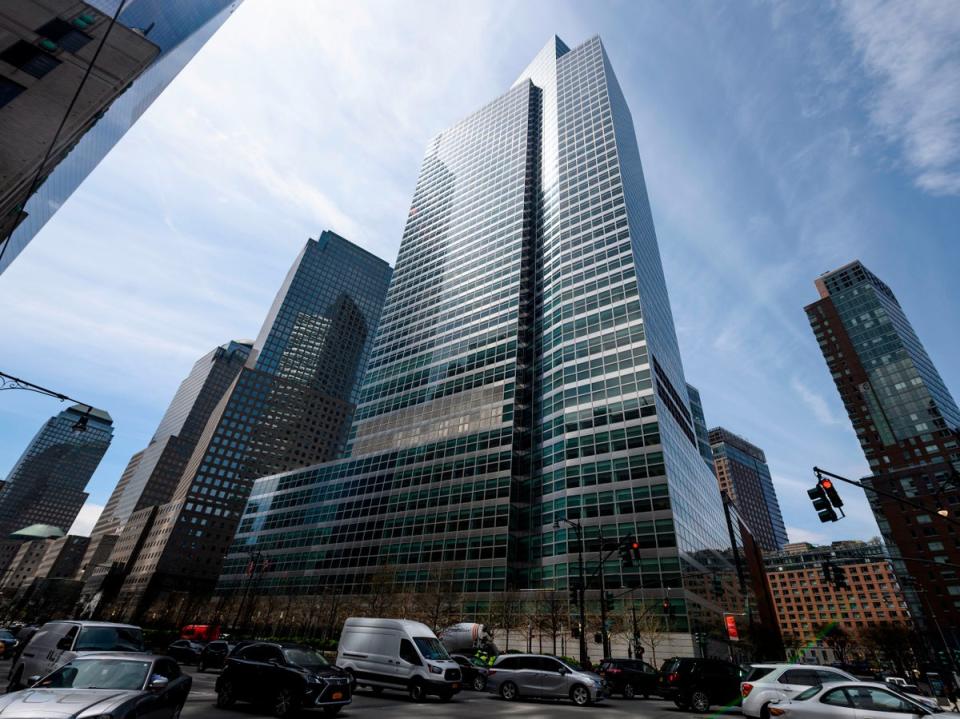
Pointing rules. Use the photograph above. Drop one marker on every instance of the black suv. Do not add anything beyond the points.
(474, 671)
(214, 655)
(700, 683)
(629, 677)
(285, 677)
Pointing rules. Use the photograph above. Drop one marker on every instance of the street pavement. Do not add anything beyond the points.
(466, 705)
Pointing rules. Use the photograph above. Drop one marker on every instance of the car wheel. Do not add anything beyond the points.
(226, 697)
(508, 691)
(177, 711)
(580, 696)
(353, 681)
(629, 692)
(765, 711)
(284, 703)
(417, 691)
(700, 701)
(479, 683)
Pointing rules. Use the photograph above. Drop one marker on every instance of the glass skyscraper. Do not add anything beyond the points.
(46, 484)
(526, 371)
(289, 406)
(908, 425)
(741, 469)
(173, 31)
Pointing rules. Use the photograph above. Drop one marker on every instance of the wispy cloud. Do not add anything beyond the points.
(799, 534)
(815, 403)
(912, 51)
(85, 520)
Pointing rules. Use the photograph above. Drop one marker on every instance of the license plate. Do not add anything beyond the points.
(454, 686)
(336, 695)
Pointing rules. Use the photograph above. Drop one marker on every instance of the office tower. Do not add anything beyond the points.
(152, 473)
(45, 48)
(700, 425)
(744, 476)
(862, 594)
(525, 374)
(46, 484)
(907, 424)
(289, 406)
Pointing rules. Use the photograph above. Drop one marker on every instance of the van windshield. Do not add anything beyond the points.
(109, 639)
(431, 648)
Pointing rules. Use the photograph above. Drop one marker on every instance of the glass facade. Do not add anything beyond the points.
(744, 476)
(46, 484)
(700, 426)
(172, 30)
(289, 406)
(526, 371)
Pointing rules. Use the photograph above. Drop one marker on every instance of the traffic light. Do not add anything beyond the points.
(575, 631)
(629, 550)
(821, 503)
(667, 608)
(598, 638)
(832, 493)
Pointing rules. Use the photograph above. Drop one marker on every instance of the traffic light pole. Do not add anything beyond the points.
(584, 659)
(603, 602)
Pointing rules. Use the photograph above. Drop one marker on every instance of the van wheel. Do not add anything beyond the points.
(580, 696)
(629, 692)
(508, 691)
(353, 681)
(699, 701)
(14, 684)
(417, 691)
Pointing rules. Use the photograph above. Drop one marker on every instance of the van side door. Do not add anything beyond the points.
(61, 641)
(410, 661)
(553, 679)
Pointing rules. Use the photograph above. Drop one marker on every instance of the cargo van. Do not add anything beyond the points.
(57, 643)
(397, 654)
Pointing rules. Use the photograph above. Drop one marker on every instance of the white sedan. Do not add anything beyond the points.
(854, 700)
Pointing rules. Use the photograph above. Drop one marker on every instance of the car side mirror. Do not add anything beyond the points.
(564, 670)
(33, 680)
(65, 643)
(159, 684)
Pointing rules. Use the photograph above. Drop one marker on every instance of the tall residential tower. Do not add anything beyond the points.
(526, 373)
(908, 425)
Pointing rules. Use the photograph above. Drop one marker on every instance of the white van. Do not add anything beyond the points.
(397, 654)
(57, 643)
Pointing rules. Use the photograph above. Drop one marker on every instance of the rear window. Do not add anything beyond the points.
(757, 673)
(109, 639)
(670, 666)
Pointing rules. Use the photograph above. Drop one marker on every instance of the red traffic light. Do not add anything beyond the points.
(635, 545)
(826, 483)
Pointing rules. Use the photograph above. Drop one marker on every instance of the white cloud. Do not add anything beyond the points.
(799, 534)
(912, 51)
(85, 520)
(815, 403)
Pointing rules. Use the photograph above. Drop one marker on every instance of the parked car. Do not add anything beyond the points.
(104, 685)
(57, 643)
(768, 683)
(629, 677)
(397, 654)
(854, 700)
(214, 655)
(473, 671)
(185, 651)
(514, 676)
(285, 677)
(8, 643)
(699, 684)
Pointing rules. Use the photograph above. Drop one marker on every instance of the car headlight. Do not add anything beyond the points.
(434, 669)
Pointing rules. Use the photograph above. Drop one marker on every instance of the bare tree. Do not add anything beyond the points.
(380, 597)
(505, 614)
(652, 629)
(439, 603)
(553, 612)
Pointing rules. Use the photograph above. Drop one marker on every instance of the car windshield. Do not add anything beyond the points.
(4, 634)
(109, 639)
(98, 674)
(431, 648)
(305, 657)
(807, 693)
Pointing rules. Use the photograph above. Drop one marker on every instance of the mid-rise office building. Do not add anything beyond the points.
(46, 47)
(862, 591)
(744, 476)
(289, 406)
(907, 423)
(525, 377)
(46, 486)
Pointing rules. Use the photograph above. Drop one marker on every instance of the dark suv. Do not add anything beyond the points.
(629, 677)
(285, 677)
(214, 655)
(700, 683)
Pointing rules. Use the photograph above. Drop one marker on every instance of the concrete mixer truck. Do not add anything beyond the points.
(468, 638)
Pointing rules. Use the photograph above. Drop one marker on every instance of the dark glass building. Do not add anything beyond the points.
(46, 484)
(907, 423)
(744, 476)
(525, 373)
(45, 49)
(700, 426)
(152, 474)
(289, 406)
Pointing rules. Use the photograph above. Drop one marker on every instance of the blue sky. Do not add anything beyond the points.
(779, 139)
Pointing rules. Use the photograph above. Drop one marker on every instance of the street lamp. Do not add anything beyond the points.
(584, 659)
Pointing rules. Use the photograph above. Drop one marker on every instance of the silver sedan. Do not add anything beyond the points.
(854, 700)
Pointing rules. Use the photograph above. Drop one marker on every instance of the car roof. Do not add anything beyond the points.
(124, 656)
(85, 623)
